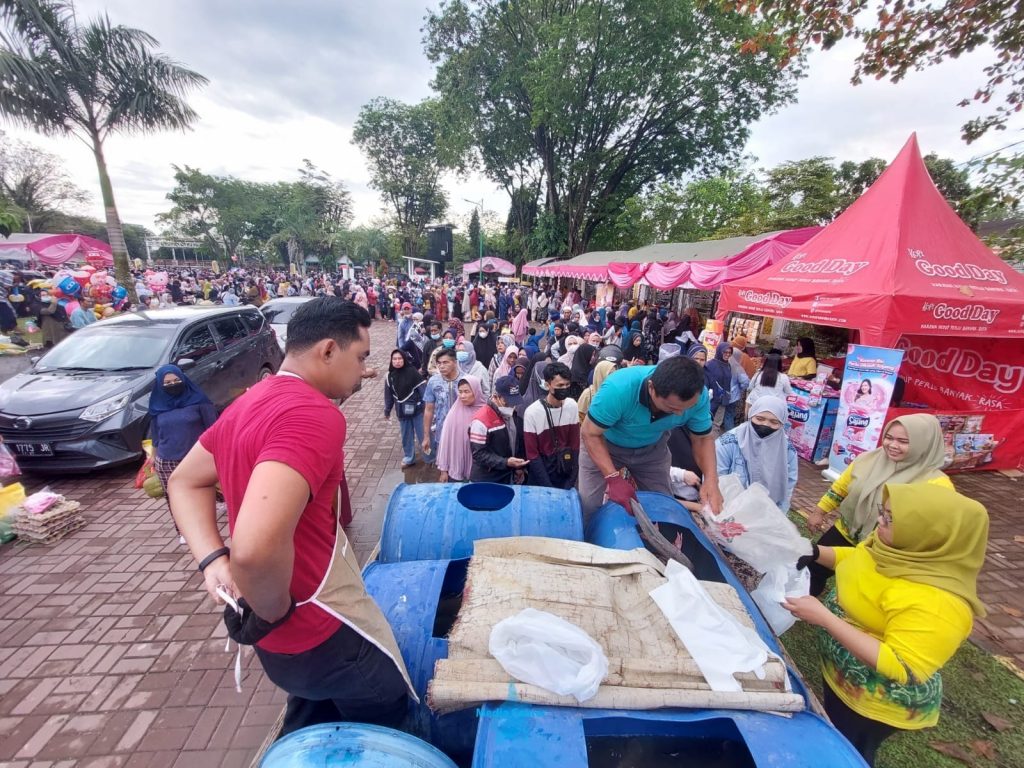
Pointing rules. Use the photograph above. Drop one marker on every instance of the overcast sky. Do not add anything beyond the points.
(287, 80)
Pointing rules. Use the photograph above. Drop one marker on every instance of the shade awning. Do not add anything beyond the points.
(491, 265)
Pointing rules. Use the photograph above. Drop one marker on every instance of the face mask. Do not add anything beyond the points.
(435, 336)
(449, 343)
(46, 299)
(462, 356)
(174, 389)
(505, 410)
(482, 334)
(763, 430)
(560, 394)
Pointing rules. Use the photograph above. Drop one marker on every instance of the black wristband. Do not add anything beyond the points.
(213, 556)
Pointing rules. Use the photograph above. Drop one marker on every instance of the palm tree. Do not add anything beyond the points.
(60, 77)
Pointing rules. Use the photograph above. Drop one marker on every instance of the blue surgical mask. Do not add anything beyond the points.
(449, 343)
(435, 336)
(462, 355)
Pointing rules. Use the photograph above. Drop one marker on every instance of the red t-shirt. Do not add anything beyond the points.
(284, 419)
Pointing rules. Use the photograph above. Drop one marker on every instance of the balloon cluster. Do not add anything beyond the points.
(68, 287)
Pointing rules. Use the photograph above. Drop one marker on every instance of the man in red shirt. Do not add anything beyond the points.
(277, 452)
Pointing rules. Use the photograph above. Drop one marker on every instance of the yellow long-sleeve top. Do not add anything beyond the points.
(837, 492)
(802, 366)
(919, 627)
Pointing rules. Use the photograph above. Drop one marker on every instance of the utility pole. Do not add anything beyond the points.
(480, 261)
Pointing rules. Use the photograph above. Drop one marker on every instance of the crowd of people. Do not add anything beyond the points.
(508, 384)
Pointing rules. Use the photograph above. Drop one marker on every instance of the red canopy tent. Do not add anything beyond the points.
(54, 250)
(901, 270)
(898, 261)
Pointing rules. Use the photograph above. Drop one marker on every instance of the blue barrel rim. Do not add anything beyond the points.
(432, 756)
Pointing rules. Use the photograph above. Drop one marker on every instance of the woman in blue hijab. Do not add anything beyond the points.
(179, 413)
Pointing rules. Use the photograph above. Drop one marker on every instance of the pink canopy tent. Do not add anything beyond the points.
(491, 265)
(54, 250)
(709, 275)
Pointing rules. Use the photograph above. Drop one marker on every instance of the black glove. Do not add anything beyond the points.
(246, 628)
(806, 560)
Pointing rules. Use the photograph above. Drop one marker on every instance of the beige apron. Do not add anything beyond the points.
(343, 595)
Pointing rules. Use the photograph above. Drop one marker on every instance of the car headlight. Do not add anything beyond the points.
(105, 408)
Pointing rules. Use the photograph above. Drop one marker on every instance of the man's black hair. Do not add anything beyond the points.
(679, 376)
(446, 352)
(328, 317)
(556, 369)
(435, 323)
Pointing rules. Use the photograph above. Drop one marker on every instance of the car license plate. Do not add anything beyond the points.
(32, 449)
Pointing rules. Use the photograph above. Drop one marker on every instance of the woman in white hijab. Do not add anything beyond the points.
(759, 451)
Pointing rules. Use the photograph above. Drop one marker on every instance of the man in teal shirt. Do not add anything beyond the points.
(628, 425)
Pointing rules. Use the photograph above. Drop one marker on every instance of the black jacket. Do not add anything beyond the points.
(490, 458)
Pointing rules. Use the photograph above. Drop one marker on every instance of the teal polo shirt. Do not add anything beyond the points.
(622, 408)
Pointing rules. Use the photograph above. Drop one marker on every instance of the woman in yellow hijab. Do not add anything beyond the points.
(904, 601)
(912, 451)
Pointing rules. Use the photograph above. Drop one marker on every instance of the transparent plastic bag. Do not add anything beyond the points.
(8, 464)
(754, 529)
(779, 583)
(41, 501)
(542, 649)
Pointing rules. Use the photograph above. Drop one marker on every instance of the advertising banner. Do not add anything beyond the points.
(978, 440)
(868, 381)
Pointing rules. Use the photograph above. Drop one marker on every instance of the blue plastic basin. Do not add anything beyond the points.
(353, 744)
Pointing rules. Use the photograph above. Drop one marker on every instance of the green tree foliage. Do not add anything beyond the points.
(407, 155)
(598, 100)
(90, 80)
(134, 234)
(242, 218)
(35, 184)
(475, 233)
(522, 217)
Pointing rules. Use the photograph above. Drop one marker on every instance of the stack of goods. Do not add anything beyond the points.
(46, 518)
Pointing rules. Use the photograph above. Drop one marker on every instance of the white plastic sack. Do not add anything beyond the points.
(779, 583)
(542, 649)
(679, 487)
(754, 529)
(718, 643)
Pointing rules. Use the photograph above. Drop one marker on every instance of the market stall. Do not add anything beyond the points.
(489, 265)
(54, 250)
(900, 270)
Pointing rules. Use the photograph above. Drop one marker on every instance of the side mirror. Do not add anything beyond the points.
(185, 362)
(34, 359)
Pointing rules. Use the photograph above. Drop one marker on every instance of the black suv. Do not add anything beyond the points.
(84, 404)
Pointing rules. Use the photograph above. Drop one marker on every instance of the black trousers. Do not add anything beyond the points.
(819, 573)
(865, 734)
(344, 679)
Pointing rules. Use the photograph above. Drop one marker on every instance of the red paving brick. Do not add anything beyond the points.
(112, 657)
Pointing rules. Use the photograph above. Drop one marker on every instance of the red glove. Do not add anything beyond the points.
(620, 490)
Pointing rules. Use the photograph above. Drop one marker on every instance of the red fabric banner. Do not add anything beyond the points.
(975, 386)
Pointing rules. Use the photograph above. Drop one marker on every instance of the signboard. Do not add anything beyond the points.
(868, 381)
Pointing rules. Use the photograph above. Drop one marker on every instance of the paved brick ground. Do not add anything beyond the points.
(112, 657)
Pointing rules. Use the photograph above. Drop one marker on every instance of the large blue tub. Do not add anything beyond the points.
(524, 736)
(420, 600)
(440, 521)
(352, 744)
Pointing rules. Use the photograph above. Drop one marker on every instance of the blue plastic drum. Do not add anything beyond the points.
(524, 736)
(420, 600)
(440, 521)
(353, 744)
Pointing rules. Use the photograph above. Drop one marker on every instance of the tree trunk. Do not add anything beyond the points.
(122, 270)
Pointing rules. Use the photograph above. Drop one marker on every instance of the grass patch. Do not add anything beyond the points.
(974, 683)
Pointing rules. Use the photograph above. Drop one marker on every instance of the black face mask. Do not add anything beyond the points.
(560, 394)
(763, 430)
(174, 389)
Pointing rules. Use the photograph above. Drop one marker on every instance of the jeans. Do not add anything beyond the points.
(412, 435)
(345, 678)
(729, 420)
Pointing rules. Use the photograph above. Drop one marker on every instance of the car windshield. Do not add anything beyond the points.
(280, 314)
(108, 349)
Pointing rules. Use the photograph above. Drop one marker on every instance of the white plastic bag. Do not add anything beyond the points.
(754, 529)
(680, 488)
(542, 649)
(779, 583)
(718, 643)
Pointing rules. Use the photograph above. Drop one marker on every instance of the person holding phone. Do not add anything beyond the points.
(496, 437)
